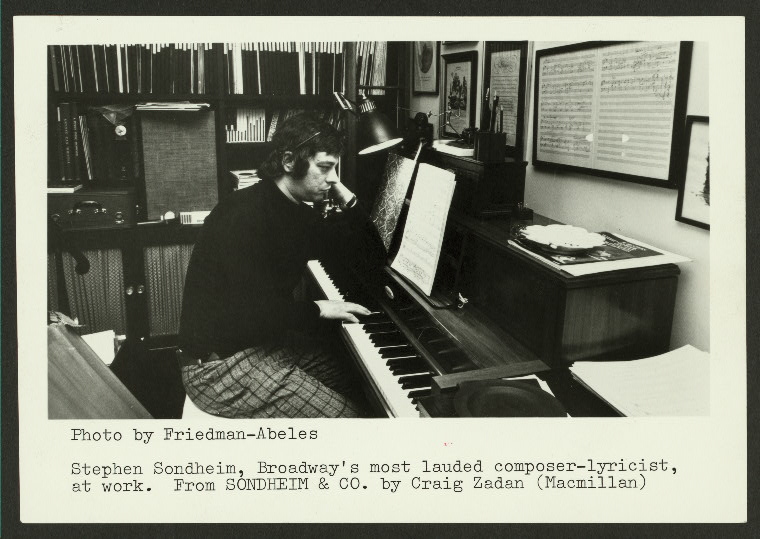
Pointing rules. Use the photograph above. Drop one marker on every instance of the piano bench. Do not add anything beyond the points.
(191, 411)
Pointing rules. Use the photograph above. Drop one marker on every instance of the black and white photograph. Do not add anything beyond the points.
(294, 275)
(460, 92)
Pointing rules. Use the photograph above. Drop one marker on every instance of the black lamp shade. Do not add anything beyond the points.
(375, 132)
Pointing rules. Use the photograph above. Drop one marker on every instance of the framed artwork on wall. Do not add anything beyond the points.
(460, 89)
(504, 76)
(612, 109)
(425, 67)
(694, 188)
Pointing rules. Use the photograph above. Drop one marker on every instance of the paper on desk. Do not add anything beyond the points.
(102, 344)
(676, 383)
(417, 258)
(664, 257)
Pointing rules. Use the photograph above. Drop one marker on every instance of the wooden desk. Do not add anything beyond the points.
(80, 385)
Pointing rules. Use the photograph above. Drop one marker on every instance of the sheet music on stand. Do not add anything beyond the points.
(676, 383)
(417, 258)
(390, 200)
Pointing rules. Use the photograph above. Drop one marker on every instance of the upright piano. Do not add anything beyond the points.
(519, 318)
(511, 316)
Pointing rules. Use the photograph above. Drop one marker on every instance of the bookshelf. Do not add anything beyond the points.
(226, 77)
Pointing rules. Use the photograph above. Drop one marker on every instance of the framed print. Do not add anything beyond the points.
(612, 109)
(504, 77)
(694, 188)
(459, 93)
(425, 67)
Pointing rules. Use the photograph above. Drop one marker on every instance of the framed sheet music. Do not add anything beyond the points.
(612, 109)
(504, 76)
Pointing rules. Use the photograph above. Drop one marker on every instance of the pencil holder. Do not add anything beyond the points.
(490, 147)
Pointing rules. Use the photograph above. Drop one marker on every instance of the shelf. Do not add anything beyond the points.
(279, 99)
(256, 142)
(132, 98)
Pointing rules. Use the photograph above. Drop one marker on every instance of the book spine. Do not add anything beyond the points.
(104, 64)
(67, 151)
(86, 146)
(53, 67)
(172, 74)
(340, 85)
(59, 144)
(97, 70)
(226, 66)
(199, 66)
(134, 79)
(75, 142)
(65, 68)
(97, 144)
(145, 67)
(295, 77)
(77, 69)
(273, 125)
(125, 68)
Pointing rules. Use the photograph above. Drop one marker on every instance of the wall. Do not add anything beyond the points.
(642, 212)
(430, 103)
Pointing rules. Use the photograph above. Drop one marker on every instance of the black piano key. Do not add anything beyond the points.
(418, 393)
(374, 317)
(396, 351)
(409, 362)
(415, 381)
(380, 327)
(388, 339)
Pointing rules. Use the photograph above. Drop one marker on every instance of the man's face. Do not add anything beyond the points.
(318, 180)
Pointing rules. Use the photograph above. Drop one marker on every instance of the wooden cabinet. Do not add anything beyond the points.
(622, 314)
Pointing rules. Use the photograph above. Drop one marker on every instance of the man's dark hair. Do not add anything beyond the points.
(305, 135)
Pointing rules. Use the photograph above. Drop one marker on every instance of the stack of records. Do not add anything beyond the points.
(245, 178)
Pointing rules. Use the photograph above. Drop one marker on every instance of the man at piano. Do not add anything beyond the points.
(248, 349)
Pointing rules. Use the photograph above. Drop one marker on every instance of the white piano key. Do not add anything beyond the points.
(385, 384)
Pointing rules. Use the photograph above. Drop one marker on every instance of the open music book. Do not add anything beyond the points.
(390, 200)
(417, 258)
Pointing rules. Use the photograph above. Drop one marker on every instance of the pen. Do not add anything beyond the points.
(487, 108)
(493, 116)
(501, 119)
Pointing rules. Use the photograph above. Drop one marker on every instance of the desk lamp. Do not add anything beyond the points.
(375, 131)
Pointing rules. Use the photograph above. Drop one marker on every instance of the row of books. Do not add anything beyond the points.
(245, 124)
(371, 58)
(269, 68)
(163, 68)
(87, 149)
(284, 68)
(331, 116)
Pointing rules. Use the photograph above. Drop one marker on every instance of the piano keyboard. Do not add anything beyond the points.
(397, 373)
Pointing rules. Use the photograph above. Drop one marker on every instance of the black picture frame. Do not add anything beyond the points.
(515, 143)
(694, 182)
(678, 112)
(421, 84)
(462, 114)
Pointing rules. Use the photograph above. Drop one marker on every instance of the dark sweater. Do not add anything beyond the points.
(249, 257)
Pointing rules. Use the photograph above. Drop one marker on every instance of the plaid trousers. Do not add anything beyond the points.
(299, 377)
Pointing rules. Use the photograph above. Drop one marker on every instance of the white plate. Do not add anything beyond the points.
(562, 238)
